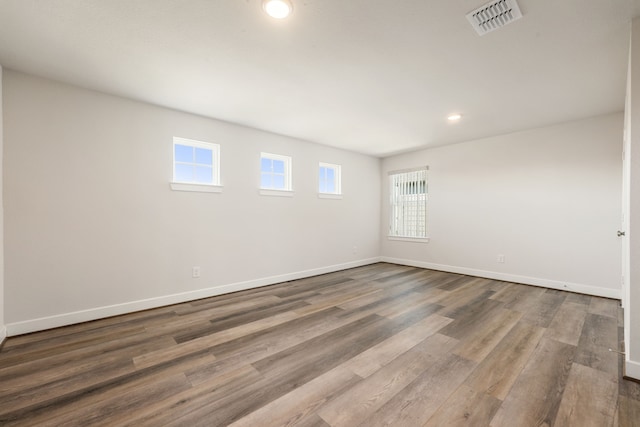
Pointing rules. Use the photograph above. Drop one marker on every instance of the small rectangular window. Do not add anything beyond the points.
(195, 162)
(329, 179)
(408, 203)
(275, 172)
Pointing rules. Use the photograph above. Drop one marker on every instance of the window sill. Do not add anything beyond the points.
(199, 188)
(329, 196)
(409, 239)
(276, 193)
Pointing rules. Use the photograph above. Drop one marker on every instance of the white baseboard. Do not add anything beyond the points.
(632, 369)
(3, 334)
(34, 325)
(65, 319)
(546, 283)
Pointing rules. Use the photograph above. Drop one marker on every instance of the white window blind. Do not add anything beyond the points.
(408, 201)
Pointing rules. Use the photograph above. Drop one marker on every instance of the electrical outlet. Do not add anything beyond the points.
(501, 258)
(195, 272)
(355, 249)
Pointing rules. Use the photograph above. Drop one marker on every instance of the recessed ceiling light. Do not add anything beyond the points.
(278, 9)
(454, 117)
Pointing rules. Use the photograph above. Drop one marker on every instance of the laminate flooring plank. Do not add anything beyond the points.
(621, 317)
(473, 319)
(392, 298)
(465, 407)
(480, 344)
(496, 374)
(543, 309)
(237, 319)
(364, 300)
(407, 303)
(419, 400)
(334, 347)
(373, 271)
(400, 277)
(168, 410)
(300, 405)
(103, 409)
(312, 420)
(498, 285)
(567, 323)
(435, 278)
(298, 329)
(374, 358)
(333, 301)
(75, 390)
(204, 343)
(384, 295)
(604, 307)
(248, 357)
(506, 293)
(589, 398)
(233, 297)
(231, 407)
(414, 285)
(213, 308)
(256, 346)
(282, 381)
(418, 304)
(579, 298)
(40, 372)
(317, 283)
(471, 293)
(456, 283)
(220, 309)
(17, 355)
(430, 293)
(628, 412)
(286, 371)
(357, 404)
(628, 388)
(18, 400)
(535, 397)
(129, 344)
(180, 323)
(521, 297)
(351, 285)
(599, 334)
(94, 328)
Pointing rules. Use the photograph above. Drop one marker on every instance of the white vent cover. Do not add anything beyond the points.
(494, 15)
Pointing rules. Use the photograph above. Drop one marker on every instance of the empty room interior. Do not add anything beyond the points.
(319, 213)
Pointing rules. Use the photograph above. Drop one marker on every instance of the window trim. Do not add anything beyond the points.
(398, 237)
(329, 196)
(287, 191)
(196, 188)
(337, 171)
(215, 186)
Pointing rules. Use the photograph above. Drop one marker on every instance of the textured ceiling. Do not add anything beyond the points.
(375, 77)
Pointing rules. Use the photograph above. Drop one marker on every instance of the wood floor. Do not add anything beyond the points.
(371, 346)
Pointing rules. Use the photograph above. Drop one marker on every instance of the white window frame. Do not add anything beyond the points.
(214, 186)
(337, 173)
(287, 191)
(407, 208)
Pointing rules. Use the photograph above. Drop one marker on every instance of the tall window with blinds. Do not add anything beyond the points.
(408, 201)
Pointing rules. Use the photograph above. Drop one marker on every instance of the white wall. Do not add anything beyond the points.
(547, 199)
(3, 330)
(93, 229)
(632, 298)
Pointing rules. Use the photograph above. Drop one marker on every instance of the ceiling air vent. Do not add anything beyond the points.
(494, 15)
